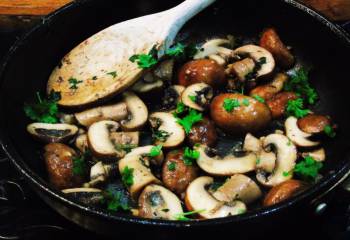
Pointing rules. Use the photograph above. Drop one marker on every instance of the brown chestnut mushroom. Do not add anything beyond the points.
(241, 69)
(59, 164)
(202, 70)
(203, 132)
(267, 91)
(283, 191)
(278, 103)
(176, 175)
(296, 135)
(313, 123)
(271, 42)
(236, 113)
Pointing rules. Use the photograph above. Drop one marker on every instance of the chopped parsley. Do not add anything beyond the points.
(125, 147)
(190, 156)
(230, 104)
(191, 118)
(180, 108)
(308, 168)
(181, 51)
(145, 60)
(128, 176)
(285, 174)
(155, 151)
(259, 99)
(79, 165)
(299, 83)
(73, 82)
(160, 135)
(258, 160)
(113, 74)
(172, 166)
(329, 131)
(192, 98)
(45, 110)
(116, 200)
(245, 102)
(176, 51)
(296, 108)
(183, 216)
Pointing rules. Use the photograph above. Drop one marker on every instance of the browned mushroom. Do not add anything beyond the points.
(278, 103)
(267, 91)
(203, 132)
(313, 123)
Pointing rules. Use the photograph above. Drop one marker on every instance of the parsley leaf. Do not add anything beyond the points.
(46, 110)
(230, 104)
(128, 176)
(329, 131)
(116, 199)
(155, 151)
(181, 51)
(190, 156)
(191, 118)
(308, 168)
(192, 98)
(183, 216)
(79, 165)
(259, 99)
(113, 74)
(172, 166)
(73, 82)
(125, 147)
(145, 60)
(295, 108)
(180, 108)
(160, 135)
(176, 51)
(299, 83)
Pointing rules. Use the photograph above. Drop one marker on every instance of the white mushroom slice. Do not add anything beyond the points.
(125, 138)
(142, 175)
(318, 155)
(226, 166)
(286, 158)
(260, 55)
(142, 87)
(99, 139)
(67, 118)
(214, 47)
(251, 144)
(51, 133)
(165, 69)
(238, 187)
(157, 202)
(297, 136)
(179, 89)
(197, 96)
(138, 112)
(166, 124)
(199, 199)
(115, 112)
(144, 152)
(218, 59)
(82, 143)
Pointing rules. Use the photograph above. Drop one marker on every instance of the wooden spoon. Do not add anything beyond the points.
(99, 67)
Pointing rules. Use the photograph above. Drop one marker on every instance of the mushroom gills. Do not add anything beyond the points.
(197, 96)
(51, 133)
(138, 112)
(297, 136)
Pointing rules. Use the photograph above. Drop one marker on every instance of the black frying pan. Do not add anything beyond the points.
(316, 41)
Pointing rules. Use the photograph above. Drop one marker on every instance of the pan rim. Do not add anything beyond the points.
(325, 185)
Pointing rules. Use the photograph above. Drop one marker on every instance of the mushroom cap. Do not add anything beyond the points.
(257, 53)
(138, 112)
(286, 157)
(144, 151)
(214, 47)
(226, 166)
(199, 199)
(51, 133)
(168, 123)
(201, 91)
(157, 202)
(297, 136)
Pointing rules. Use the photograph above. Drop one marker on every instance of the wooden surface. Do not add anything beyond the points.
(30, 7)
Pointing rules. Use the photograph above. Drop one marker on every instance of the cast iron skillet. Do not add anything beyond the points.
(26, 68)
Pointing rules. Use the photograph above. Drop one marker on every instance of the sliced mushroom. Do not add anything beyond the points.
(260, 55)
(99, 173)
(197, 96)
(138, 112)
(67, 118)
(267, 91)
(82, 143)
(215, 47)
(125, 138)
(157, 202)
(297, 136)
(142, 87)
(87, 196)
(144, 152)
(286, 157)
(318, 155)
(142, 175)
(99, 139)
(199, 199)
(167, 124)
(165, 70)
(238, 187)
(226, 166)
(241, 69)
(115, 112)
(50, 133)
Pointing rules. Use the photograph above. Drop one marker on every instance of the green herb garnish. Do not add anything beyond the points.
(329, 131)
(79, 165)
(308, 168)
(180, 108)
(258, 160)
(172, 166)
(183, 216)
(160, 135)
(176, 51)
(128, 176)
(230, 104)
(191, 118)
(73, 82)
(155, 151)
(46, 110)
(192, 98)
(145, 60)
(125, 147)
(296, 108)
(116, 200)
(113, 74)
(259, 99)
(190, 156)
(285, 174)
